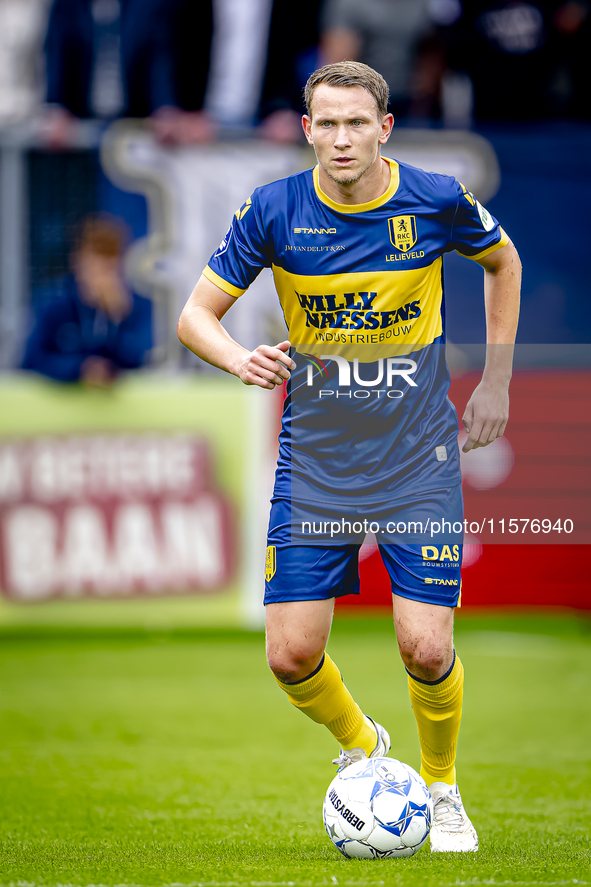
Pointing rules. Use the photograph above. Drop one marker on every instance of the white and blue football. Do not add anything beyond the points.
(378, 808)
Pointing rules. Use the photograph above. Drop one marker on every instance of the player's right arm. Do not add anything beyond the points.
(201, 331)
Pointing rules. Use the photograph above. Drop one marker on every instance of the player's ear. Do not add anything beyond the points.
(387, 124)
(307, 127)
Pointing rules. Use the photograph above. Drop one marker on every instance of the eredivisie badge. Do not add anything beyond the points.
(403, 232)
(270, 562)
(488, 223)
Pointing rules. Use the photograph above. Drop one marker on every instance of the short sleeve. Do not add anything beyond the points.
(475, 232)
(243, 253)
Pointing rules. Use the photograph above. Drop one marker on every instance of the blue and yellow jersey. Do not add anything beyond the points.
(362, 292)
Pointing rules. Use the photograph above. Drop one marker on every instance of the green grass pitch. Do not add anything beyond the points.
(151, 757)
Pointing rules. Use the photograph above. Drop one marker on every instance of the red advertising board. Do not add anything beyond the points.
(527, 515)
(111, 515)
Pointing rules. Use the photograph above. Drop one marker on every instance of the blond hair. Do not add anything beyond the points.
(349, 74)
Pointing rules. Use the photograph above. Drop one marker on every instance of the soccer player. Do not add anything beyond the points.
(356, 247)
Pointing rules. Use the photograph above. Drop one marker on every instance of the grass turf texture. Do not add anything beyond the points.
(151, 758)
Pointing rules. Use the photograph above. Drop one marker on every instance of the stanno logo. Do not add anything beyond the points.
(429, 581)
(314, 230)
(403, 232)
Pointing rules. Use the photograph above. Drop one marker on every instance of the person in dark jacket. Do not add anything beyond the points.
(96, 326)
(133, 58)
(154, 58)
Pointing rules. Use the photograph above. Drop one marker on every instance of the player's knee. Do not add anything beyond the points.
(292, 663)
(427, 659)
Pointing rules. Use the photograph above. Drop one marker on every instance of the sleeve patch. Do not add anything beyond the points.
(224, 244)
(488, 223)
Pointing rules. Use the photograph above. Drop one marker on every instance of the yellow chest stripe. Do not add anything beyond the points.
(366, 309)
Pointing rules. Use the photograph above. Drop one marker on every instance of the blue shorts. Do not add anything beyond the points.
(311, 559)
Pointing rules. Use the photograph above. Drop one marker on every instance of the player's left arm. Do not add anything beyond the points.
(487, 412)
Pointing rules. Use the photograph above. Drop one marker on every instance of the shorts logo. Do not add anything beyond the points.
(403, 232)
(270, 562)
(445, 553)
(429, 581)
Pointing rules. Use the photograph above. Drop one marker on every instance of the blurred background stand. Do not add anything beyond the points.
(165, 115)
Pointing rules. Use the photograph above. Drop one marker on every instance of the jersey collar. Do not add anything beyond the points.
(361, 207)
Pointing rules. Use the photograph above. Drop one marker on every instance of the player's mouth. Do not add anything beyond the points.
(344, 161)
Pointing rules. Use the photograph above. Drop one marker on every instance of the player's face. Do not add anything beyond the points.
(97, 276)
(346, 132)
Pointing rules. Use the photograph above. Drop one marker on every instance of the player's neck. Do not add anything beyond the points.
(374, 182)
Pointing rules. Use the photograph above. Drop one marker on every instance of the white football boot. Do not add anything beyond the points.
(451, 830)
(350, 755)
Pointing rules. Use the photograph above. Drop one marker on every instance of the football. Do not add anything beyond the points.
(378, 808)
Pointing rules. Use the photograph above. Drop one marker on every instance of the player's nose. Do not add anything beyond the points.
(342, 139)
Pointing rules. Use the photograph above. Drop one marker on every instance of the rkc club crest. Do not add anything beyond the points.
(270, 562)
(403, 232)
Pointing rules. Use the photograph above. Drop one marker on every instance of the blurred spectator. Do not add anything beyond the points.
(174, 56)
(132, 57)
(569, 43)
(95, 326)
(293, 53)
(399, 39)
(159, 58)
(262, 56)
(526, 60)
(22, 27)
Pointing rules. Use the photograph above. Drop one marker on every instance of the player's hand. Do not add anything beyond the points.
(485, 418)
(284, 127)
(58, 129)
(266, 366)
(97, 372)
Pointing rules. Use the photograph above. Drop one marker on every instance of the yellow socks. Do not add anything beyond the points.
(323, 697)
(438, 710)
